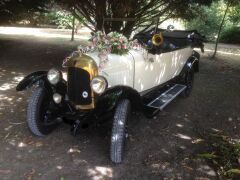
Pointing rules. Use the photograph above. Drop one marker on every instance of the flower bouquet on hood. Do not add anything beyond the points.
(119, 43)
(113, 42)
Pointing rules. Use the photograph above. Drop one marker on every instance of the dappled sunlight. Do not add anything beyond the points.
(179, 125)
(207, 170)
(43, 32)
(100, 172)
(59, 167)
(182, 136)
(8, 99)
(74, 150)
(6, 86)
(22, 144)
(223, 52)
(215, 130)
(10, 83)
(18, 78)
(165, 151)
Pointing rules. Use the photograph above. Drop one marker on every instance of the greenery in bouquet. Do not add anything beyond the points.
(119, 43)
(113, 42)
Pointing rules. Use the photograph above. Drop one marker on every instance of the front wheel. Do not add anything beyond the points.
(40, 118)
(121, 116)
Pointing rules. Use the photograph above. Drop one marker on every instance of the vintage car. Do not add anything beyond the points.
(144, 79)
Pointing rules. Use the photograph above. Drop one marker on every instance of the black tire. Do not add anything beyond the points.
(36, 113)
(121, 115)
(188, 81)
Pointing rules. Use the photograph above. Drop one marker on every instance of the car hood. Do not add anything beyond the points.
(118, 69)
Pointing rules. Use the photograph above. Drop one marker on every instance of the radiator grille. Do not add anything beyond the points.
(79, 90)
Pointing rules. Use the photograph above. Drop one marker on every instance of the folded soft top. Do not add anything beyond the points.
(178, 38)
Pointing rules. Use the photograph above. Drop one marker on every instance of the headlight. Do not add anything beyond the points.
(54, 76)
(99, 84)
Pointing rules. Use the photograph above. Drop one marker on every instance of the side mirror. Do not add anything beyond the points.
(170, 27)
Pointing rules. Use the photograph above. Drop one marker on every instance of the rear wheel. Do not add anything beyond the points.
(121, 115)
(188, 81)
(40, 119)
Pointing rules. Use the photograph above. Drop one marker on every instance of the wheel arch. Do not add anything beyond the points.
(31, 79)
(192, 64)
(110, 98)
(40, 78)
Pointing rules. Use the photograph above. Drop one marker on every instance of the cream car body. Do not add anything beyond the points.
(142, 70)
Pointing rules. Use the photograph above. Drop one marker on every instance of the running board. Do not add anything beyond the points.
(165, 98)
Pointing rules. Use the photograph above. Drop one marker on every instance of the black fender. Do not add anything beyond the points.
(192, 64)
(196, 59)
(31, 79)
(40, 77)
(110, 98)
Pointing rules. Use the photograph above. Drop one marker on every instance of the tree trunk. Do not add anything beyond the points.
(100, 14)
(73, 28)
(220, 29)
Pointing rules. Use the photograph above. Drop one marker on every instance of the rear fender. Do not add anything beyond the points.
(196, 57)
(192, 63)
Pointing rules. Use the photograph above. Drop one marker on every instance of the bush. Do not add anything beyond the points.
(206, 21)
(231, 35)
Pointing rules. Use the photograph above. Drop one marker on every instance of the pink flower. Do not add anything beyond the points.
(119, 47)
(124, 46)
(109, 50)
(121, 40)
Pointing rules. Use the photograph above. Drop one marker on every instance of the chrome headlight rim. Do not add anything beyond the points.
(54, 76)
(104, 84)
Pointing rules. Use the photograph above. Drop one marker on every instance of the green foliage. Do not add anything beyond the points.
(231, 35)
(208, 19)
(234, 171)
(223, 156)
(234, 15)
(207, 155)
(62, 19)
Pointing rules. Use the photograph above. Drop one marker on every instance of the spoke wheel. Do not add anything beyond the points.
(41, 118)
(119, 130)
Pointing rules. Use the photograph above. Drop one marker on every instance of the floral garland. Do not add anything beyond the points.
(112, 43)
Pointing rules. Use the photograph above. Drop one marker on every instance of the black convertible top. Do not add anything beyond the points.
(173, 40)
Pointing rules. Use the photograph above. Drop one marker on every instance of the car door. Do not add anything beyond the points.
(152, 70)
(149, 69)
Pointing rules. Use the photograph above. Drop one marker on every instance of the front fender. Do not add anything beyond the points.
(31, 79)
(110, 98)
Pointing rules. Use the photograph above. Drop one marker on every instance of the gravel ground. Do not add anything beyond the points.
(165, 147)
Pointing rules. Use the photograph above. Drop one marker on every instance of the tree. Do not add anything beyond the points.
(220, 29)
(14, 10)
(143, 13)
(229, 3)
(206, 20)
